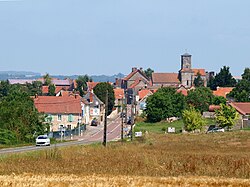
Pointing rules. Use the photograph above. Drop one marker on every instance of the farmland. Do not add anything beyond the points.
(176, 159)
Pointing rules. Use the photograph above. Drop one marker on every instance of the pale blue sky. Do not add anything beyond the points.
(111, 36)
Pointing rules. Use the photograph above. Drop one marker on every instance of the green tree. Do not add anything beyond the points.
(19, 115)
(52, 90)
(198, 81)
(163, 104)
(192, 119)
(241, 93)
(219, 100)
(4, 88)
(200, 98)
(34, 88)
(47, 79)
(148, 72)
(100, 91)
(223, 79)
(81, 82)
(226, 116)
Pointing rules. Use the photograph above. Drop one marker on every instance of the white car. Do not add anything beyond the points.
(216, 129)
(42, 140)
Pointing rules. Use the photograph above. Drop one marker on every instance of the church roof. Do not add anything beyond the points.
(186, 54)
(162, 78)
(202, 71)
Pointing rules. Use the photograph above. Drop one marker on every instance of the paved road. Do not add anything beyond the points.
(113, 133)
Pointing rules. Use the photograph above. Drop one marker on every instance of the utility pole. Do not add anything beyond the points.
(105, 121)
(122, 119)
(132, 117)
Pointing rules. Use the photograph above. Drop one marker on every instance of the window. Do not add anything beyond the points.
(70, 118)
(59, 117)
(68, 127)
(49, 118)
(61, 127)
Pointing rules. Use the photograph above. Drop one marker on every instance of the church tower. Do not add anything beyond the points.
(186, 72)
(186, 62)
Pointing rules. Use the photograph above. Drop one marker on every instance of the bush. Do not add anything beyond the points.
(192, 119)
(7, 137)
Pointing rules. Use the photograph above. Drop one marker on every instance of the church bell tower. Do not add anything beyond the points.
(186, 62)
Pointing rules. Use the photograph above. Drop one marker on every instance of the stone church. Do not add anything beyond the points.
(187, 74)
(184, 78)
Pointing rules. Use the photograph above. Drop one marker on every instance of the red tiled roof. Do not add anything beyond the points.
(242, 107)
(134, 72)
(212, 108)
(184, 92)
(165, 78)
(119, 93)
(91, 85)
(223, 91)
(58, 105)
(143, 93)
(202, 71)
(45, 89)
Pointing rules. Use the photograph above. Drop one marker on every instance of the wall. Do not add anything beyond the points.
(64, 121)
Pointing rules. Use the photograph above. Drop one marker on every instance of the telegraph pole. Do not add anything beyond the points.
(122, 121)
(132, 117)
(105, 121)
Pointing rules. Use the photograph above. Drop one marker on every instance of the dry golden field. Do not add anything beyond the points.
(221, 159)
(26, 180)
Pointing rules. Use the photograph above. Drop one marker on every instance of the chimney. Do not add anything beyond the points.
(91, 97)
(134, 69)
(116, 81)
(141, 69)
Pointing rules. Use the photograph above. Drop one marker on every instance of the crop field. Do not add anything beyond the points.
(218, 159)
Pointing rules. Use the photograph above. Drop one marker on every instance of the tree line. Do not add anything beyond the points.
(167, 102)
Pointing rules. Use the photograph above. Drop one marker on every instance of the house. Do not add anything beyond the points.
(222, 91)
(96, 107)
(21, 81)
(183, 90)
(66, 84)
(243, 108)
(143, 95)
(134, 82)
(119, 98)
(62, 112)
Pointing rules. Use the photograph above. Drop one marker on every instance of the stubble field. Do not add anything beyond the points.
(156, 160)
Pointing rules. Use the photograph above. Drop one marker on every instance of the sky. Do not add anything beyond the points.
(96, 37)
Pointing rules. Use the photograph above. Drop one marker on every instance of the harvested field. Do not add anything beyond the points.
(158, 159)
(99, 181)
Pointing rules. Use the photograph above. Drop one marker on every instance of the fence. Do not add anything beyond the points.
(67, 133)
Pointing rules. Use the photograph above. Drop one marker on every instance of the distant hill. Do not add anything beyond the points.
(96, 78)
(105, 78)
(4, 75)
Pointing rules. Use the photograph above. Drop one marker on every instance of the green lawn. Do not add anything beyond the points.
(161, 127)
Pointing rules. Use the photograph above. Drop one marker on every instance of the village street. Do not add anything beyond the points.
(92, 135)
